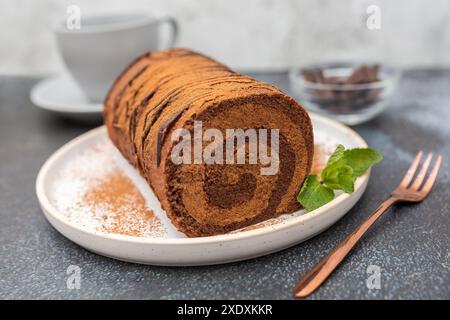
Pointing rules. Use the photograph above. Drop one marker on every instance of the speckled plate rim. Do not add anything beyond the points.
(49, 209)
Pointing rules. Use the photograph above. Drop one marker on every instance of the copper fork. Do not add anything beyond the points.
(408, 190)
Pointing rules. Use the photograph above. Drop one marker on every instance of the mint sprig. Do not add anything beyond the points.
(340, 173)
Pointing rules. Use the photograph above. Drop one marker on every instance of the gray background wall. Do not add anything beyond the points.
(249, 34)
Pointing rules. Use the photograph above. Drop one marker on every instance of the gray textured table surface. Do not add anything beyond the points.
(410, 245)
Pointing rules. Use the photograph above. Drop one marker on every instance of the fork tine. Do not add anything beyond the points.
(423, 171)
(430, 181)
(411, 171)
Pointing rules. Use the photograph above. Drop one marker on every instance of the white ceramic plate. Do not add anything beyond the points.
(173, 248)
(60, 94)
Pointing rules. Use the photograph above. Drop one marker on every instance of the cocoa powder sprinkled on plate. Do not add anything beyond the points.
(92, 191)
(124, 209)
(321, 155)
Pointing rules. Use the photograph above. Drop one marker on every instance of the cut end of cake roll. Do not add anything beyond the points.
(188, 124)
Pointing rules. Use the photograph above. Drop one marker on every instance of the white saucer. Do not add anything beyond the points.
(173, 248)
(61, 94)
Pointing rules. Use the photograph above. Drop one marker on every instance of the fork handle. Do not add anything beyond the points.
(321, 271)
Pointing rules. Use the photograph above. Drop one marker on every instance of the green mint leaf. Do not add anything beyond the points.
(339, 176)
(313, 194)
(347, 184)
(337, 155)
(361, 159)
(342, 170)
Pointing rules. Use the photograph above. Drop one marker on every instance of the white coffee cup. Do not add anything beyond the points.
(104, 45)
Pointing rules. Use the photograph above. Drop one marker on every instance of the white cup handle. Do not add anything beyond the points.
(174, 31)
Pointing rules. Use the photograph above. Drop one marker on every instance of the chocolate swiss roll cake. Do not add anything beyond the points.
(220, 150)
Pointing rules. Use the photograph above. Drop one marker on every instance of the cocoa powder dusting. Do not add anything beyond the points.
(321, 155)
(124, 209)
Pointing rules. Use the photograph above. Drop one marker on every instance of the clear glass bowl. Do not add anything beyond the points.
(351, 104)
